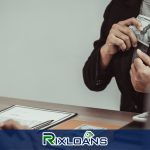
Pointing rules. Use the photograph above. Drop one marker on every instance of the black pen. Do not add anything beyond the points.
(44, 124)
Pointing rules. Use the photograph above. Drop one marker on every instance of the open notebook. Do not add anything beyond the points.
(35, 118)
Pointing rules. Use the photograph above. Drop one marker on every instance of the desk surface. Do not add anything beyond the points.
(92, 116)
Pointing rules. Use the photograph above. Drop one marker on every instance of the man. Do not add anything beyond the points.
(113, 53)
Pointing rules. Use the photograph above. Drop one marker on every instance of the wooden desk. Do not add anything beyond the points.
(92, 116)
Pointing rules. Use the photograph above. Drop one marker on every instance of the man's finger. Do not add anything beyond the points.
(131, 75)
(129, 34)
(118, 42)
(132, 21)
(144, 57)
(133, 69)
(138, 64)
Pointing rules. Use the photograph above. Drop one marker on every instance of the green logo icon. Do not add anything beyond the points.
(48, 138)
(88, 135)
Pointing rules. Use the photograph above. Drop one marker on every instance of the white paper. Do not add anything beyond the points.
(32, 116)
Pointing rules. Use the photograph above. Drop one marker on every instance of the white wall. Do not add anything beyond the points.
(43, 47)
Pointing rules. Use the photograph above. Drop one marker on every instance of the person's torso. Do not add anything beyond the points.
(130, 99)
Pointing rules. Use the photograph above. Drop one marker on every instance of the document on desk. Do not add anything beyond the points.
(35, 118)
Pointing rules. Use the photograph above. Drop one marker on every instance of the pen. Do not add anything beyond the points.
(39, 126)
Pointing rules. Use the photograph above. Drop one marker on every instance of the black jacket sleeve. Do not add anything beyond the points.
(94, 77)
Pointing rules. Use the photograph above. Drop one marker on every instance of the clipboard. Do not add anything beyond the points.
(35, 118)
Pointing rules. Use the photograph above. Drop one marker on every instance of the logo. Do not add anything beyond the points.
(88, 135)
(89, 139)
(48, 138)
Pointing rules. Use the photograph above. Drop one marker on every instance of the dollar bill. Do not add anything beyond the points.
(144, 35)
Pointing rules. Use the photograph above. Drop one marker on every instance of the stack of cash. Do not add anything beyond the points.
(142, 36)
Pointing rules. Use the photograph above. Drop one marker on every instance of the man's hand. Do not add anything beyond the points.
(120, 37)
(12, 125)
(140, 73)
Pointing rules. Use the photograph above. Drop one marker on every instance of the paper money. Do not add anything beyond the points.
(144, 35)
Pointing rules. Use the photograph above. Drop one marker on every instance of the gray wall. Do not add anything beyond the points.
(44, 45)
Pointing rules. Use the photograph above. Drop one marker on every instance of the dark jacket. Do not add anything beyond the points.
(95, 78)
